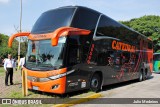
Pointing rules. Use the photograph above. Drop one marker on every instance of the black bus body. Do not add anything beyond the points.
(111, 53)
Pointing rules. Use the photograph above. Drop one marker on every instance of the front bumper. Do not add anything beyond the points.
(48, 85)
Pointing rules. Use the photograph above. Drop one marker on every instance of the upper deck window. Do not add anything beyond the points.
(107, 27)
(53, 19)
(85, 19)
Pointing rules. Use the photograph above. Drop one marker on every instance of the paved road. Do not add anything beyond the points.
(146, 89)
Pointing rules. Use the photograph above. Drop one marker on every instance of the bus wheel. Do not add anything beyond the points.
(146, 75)
(140, 76)
(95, 83)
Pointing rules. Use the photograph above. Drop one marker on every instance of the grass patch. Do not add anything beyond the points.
(37, 94)
(1, 69)
(2, 72)
(31, 94)
(16, 95)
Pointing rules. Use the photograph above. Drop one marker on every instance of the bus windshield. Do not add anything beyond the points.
(42, 56)
(156, 57)
(53, 19)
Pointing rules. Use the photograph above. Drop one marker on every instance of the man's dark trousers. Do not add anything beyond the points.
(9, 72)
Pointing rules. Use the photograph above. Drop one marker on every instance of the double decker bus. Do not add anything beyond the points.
(74, 48)
(156, 62)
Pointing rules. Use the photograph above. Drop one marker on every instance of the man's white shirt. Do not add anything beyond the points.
(22, 61)
(9, 63)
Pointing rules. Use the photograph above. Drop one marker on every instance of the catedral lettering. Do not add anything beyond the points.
(123, 46)
(68, 51)
(39, 36)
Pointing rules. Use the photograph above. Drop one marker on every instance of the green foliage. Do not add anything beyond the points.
(1, 70)
(147, 25)
(4, 50)
(16, 95)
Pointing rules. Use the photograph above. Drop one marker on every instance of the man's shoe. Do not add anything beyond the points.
(11, 83)
(6, 85)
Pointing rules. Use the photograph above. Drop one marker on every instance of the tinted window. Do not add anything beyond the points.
(74, 55)
(79, 47)
(107, 27)
(111, 28)
(85, 19)
(53, 19)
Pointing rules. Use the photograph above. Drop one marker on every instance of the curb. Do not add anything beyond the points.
(81, 100)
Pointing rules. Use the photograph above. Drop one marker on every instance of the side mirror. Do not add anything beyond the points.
(64, 31)
(16, 35)
(54, 41)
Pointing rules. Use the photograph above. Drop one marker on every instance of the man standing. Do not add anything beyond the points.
(22, 62)
(9, 64)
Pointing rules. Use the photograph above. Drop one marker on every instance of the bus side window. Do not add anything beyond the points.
(107, 27)
(74, 55)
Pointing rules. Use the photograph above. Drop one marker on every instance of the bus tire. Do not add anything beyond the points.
(95, 83)
(140, 76)
(146, 74)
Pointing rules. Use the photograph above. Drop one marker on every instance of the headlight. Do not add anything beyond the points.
(36, 79)
(57, 76)
(43, 79)
(61, 75)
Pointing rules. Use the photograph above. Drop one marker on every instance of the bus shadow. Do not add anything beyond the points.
(156, 72)
(150, 77)
(121, 84)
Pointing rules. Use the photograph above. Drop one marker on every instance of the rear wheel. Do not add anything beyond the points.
(146, 74)
(95, 83)
(140, 76)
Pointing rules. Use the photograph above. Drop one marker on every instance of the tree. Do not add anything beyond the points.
(4, 50)
(0, 39)
(147, 25)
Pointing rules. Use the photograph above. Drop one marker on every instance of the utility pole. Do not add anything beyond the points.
(24, 73)
(20, 30)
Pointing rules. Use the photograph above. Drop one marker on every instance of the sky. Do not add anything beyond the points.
(117, 9)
